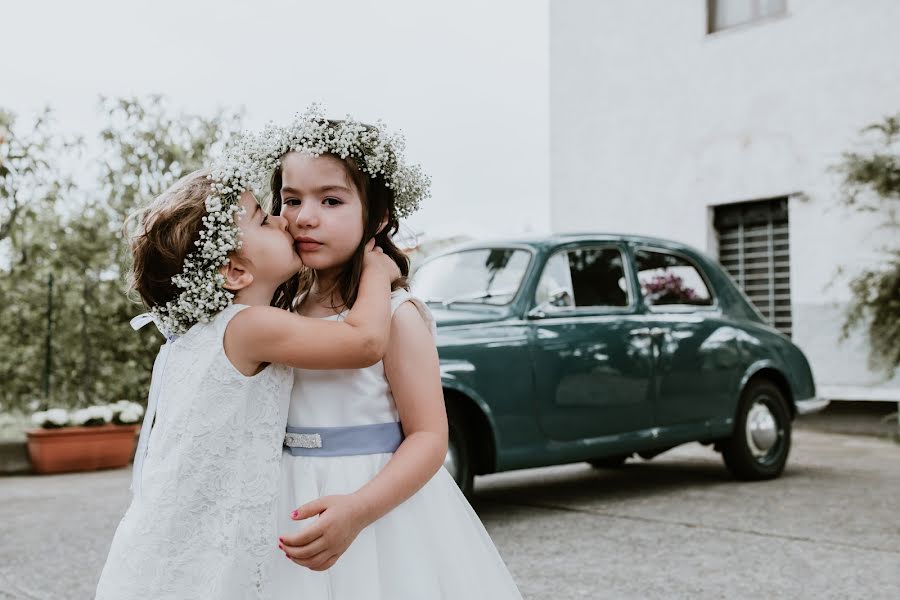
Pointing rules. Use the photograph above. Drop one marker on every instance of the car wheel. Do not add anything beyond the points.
(458, 461)
(759, 447)
(609, 462)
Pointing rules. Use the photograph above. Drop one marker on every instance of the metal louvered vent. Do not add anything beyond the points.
(754, 248)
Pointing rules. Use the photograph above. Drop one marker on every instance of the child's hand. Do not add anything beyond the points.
(375, 258)
(320, 545)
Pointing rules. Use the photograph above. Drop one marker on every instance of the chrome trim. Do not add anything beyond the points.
(456, 367)
(761, 430)
(811, 405)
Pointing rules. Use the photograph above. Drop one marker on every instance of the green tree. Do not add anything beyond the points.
(871, 182)
(32, 185)
(76, 236)
(29, 179)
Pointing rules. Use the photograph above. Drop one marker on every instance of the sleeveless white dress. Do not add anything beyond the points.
(203, 525)
(431, 547)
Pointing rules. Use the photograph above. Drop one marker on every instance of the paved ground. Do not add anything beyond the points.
(856, 418)
(674, 527)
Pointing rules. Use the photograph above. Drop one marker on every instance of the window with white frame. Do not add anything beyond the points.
(755, 250)
(722, 14)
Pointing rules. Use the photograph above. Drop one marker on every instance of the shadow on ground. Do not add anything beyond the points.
(581, 484)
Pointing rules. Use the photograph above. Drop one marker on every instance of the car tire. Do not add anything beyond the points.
(759, 447)
(458, 461)
(609, 462)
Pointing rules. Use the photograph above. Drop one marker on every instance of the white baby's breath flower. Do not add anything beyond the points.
(213, 204)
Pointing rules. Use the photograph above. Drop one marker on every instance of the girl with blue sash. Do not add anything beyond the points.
(366, 510)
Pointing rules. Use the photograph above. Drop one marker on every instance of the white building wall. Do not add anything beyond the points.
(653, 122)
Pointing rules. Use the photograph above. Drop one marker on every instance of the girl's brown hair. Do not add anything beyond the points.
(378, 208)
(163, 234)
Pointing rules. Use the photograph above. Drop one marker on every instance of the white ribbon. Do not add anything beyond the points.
(159, 367)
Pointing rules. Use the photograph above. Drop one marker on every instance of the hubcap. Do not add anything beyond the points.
(451, 461)
(762, 429)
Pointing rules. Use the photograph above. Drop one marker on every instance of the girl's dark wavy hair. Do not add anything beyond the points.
(378, 208)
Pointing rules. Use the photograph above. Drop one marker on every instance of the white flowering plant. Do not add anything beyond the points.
(92, 416)
(126, 412)
(53, 418)
(122, 412)
(245, 166)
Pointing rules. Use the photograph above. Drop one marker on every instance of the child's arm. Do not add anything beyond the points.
(412, 368)
(263, 334)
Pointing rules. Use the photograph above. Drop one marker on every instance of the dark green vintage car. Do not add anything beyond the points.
(598, 347)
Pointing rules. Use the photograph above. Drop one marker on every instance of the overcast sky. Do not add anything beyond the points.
(466, 81)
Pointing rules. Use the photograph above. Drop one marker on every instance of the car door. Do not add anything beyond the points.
(697, 353)
(590, 350)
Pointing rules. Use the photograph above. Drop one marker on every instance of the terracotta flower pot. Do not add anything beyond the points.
(81, 448)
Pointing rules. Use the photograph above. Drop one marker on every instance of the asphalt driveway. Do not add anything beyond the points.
(673, 527)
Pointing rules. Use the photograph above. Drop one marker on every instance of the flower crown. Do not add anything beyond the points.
(377, 152)
(246, 165)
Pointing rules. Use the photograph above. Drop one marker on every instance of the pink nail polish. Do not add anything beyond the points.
(294, 514)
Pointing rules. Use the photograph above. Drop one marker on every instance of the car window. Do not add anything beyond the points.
(482, 276)
(583, 277)
(670, 280)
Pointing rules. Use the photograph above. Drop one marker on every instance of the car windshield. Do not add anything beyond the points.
(484, 276)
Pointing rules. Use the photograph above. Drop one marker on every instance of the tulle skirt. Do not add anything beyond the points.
(431, 547)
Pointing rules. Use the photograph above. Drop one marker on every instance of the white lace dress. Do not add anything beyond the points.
(203, 525)
(431, 547)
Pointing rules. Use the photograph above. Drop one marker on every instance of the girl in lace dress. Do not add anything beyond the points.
(201, 524)
(366, 510)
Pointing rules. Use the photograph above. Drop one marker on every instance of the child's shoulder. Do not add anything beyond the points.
(203, 333)
(398, 297)
(226, 316)
(245, 324)
(410, 306)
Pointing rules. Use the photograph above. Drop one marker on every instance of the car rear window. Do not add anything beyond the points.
(670, 280)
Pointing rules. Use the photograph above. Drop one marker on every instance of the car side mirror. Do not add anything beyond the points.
(559, 298)
(538, 312)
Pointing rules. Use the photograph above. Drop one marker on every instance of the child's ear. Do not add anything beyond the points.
(237, 277)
